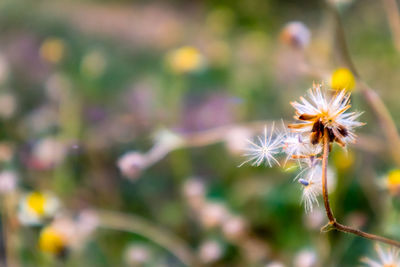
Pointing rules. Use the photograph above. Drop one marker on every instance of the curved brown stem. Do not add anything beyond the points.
(388, 125)
(134, 224)
(332, 220)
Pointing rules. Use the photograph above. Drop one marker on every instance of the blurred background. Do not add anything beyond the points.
(123, 123)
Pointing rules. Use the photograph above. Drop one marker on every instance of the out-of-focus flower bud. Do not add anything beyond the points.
(48, 153)
(58, 86)
(305, 258)
(255, 249)
(52, 50)
(356, 219)
(131, 164)
(8, 181)
(185, 59)
(74, 232)
(36, 206)
(275, 264)
(235, 139)
(8, 105)
(343, 78)
(393, 181)
(210, 251)
(296, 35)
(343, 159)
(6, 151)
(52, 241)
(213, 214)
(234, 228)
(87, 222)
(194, 193)
(314, 220)
(93, 64)
(137, 254)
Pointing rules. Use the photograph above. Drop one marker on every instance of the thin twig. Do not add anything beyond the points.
(332, 220)
(376, 103)
(393, 17)
(219, 134)
(134, 224)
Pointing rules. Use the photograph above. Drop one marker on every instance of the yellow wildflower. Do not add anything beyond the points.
(343, 78)
(52, 50)
(343, 160)
(393, 181)
(51, 241)
(185, 59)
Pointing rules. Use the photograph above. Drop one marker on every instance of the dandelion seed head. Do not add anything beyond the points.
(311, 190)
(386, 258)
(312, 186)
(264, 148)
(320, 113)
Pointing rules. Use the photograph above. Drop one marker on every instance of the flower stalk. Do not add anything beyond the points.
(332, 220)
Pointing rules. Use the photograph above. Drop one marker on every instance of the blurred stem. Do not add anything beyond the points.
(376, 103)
(332, 220)
(393, 17)
(70, 117)
(3, 236)
(219, 134)
(130, 223)
(9, 228)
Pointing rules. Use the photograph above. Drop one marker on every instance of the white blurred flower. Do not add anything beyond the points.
(387, 258)
(234, 228)
(8, 181)
(64, 232)
(87, 222)
(137, 254)
(48, 153)
(36, 206)
(213, 214)
(235, 139)
(315, 219)
(305, 258)
(132, 163)
(194, 193)
(275, 264)
(210, 251)
(296, 34)
(75, 231)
